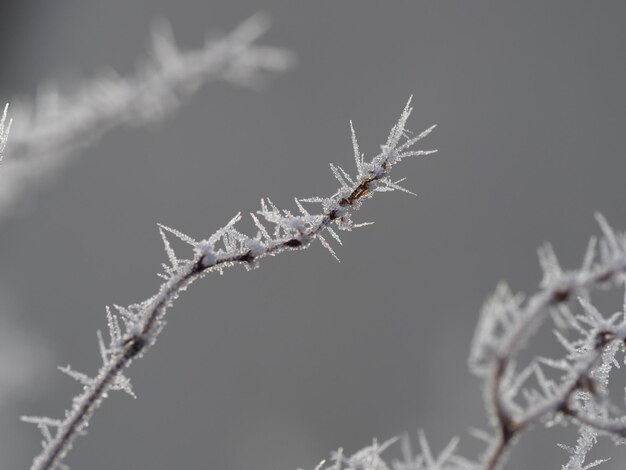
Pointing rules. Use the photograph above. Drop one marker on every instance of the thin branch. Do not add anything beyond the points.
(141, 323)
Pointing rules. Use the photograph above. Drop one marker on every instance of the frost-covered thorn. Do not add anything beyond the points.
(369, 457)
(78, 376)
(339, 176)
(181, 236)
(103, 349)
(115, 331)
(262, 230)
(609, 234)
(326, 245)
(125, 313)
(168, 249)
(590, 254)
(414, 140)
(549, 264)
(41, 420)
(358, 157)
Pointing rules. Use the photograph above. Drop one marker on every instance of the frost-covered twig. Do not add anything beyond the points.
(51, 130)
(507, 322)
(135, 328)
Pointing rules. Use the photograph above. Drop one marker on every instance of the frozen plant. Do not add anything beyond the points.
(48, 132)
(133, 329)
(517, 398)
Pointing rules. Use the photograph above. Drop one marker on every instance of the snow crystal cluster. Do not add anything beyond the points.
(49, 131)
(134, 328)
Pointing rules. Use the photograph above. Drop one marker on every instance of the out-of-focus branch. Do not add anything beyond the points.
(46, 133)
(507, 322)
(5, 128)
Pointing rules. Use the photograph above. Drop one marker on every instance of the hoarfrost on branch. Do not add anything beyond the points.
(133, 329)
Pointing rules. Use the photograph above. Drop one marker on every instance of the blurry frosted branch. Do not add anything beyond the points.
(517, 398)
(55, 126)
(134, 329)
(5, 127)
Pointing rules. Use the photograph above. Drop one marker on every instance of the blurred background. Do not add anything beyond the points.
(274, 368)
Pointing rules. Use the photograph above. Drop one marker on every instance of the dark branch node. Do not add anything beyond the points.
(199, 265)
(603, 338)
(605, 277)
(247, 257)
(586, 384)
(134, 345)
(561, 295)
(293, 243)
(508, 427)
(564, 408)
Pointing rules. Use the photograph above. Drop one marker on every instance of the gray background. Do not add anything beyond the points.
(272, 369)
